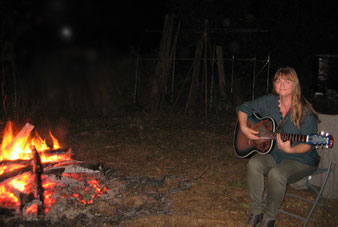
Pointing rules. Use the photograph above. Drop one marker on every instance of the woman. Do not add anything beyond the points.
(288, 161)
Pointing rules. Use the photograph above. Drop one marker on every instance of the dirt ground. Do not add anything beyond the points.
(187, 148)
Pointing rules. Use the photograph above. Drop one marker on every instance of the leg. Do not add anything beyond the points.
(258, 167)
(288, 171)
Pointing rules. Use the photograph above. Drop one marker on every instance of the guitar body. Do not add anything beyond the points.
(245, 147)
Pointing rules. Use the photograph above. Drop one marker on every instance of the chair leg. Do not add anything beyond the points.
(319, 196)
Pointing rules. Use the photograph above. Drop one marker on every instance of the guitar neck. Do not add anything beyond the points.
(292, 137)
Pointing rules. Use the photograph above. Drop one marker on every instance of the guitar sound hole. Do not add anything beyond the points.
(262, 145)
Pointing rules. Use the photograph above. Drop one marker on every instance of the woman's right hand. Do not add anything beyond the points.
(249, 133)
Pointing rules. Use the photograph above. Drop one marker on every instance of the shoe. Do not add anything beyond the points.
(267, 223)
(254, 219)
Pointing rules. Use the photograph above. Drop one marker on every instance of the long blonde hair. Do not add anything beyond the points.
(299, 105)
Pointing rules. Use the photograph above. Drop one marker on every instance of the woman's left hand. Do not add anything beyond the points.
(284, 145)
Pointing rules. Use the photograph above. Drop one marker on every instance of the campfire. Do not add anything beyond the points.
(31, 171)
(44, 183)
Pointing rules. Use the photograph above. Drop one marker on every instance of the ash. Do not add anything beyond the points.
(122, 198)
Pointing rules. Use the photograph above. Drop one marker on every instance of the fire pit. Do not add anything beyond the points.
(45, 184)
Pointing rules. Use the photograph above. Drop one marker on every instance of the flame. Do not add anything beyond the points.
(22, 183)
(39, 143)
(17, 150)
(56, 144)
(14, 149)
(20, 149)
(8, 135)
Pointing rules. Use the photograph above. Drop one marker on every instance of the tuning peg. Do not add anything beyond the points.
(322, 133)
(327, 134)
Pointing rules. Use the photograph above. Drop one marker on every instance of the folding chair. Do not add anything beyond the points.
(318, 181)
(320, 200)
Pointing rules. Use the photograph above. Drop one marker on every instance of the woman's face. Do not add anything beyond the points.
(284, 87)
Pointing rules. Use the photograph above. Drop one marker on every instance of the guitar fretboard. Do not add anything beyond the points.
(292, 137)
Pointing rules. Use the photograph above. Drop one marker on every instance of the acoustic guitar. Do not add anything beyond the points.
(266, 126)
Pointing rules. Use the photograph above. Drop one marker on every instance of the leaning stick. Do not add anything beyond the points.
(25, 131)
(38, 170)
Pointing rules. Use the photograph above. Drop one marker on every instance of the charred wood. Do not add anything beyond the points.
(58, 152)
(66, 163)
(92, 166)
(15, 162)
(29, 168)
(25, 199)
(7, 211)
(38, 170)
(16, 172)
(57, 172)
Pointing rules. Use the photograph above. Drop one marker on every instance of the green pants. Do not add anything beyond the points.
(278, 176)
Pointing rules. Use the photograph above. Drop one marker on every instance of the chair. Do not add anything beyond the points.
(319, 180)
(320, 200)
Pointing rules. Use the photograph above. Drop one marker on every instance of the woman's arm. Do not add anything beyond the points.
(248, 132)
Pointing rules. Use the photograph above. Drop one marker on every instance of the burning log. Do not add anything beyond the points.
(66, 163)
(25, 131)
(38, 170)
(51, 157)
(55, 171)
(15, 162)
(16, 172)
(58, 152)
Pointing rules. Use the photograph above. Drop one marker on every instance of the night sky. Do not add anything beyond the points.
(296, 28)
(41, 32)
(55, 23)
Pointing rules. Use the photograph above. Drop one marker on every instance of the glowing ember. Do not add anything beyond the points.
(7, 198)
(32, 209)
(91, 184)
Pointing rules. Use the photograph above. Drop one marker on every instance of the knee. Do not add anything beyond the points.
(254, 164)
(275, 175)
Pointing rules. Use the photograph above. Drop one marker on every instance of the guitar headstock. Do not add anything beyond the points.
(321, 140)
